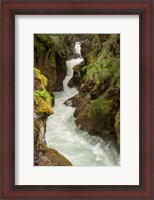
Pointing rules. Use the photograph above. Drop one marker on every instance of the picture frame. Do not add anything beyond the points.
(12, 8)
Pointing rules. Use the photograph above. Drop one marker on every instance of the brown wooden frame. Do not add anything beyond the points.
(9, 9)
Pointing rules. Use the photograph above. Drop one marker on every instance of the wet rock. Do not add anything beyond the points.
(76, 55)
(61, 73)
(78, 99)
(101, 122)
(71, 83)
(70, 102)
(77, 78)
(51, 157)
(87, 86)
(59, 82)
(50, 57)
(44, 156)
(37, 84)
(117, 126)
(102, 126)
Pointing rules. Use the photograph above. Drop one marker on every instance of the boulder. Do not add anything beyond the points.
(78, 99)
(101, 125)
(44, 156)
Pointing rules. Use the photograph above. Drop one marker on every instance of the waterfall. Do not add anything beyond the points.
(62, 134)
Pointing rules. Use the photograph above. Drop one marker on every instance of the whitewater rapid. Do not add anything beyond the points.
(76, 145)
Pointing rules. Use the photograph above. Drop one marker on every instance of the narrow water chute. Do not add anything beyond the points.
(62, 134)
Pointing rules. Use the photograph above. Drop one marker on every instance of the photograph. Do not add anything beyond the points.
(77, 100)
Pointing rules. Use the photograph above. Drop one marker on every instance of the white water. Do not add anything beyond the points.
(62, 134)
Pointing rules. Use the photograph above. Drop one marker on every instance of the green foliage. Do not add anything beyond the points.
(54, 42)
(105, 66)
(115, 72)
(42, 102)
(96, 72)
(100, 106)
(38, 45)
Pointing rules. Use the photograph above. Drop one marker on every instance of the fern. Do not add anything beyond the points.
(100, 106)
(106, 66)
(54, 42)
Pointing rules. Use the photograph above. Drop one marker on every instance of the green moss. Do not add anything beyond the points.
(42, 102)
(42, 98)
(42, 94)
(42, 78)
(43, 106)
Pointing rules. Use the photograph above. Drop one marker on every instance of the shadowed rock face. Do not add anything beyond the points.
(78, 76)
(51, 52)
(54, 70)
(61, 73)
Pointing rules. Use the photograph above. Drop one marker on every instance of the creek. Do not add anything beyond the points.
(80, 148)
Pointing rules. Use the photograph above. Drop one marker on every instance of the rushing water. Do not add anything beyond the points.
(62, 134)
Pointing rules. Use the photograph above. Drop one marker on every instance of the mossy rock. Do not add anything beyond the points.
(36, 135)
(117, 126)
(44, 156)
(42, 78)
(44, 94)
(42, 98)
(42, 106)
(50, 52)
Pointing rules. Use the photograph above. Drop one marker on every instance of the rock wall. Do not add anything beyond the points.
(43, 156)
(98, 81)
(50, 55)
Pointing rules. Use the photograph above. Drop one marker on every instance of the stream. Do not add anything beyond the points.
(80, 148)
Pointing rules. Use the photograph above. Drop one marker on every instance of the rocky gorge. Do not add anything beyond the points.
(96, 79)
